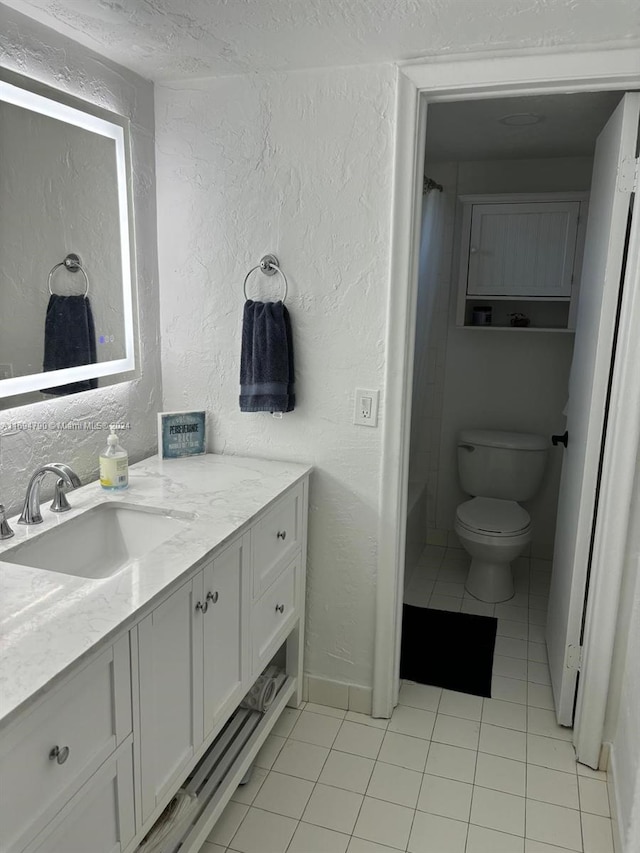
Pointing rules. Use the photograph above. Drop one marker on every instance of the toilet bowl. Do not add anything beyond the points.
(499, 469)
(494, 532)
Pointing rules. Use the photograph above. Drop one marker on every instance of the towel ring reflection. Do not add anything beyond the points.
(269, 266)
(73, 263)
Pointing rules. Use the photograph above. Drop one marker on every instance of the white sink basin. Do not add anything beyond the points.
(101, 541)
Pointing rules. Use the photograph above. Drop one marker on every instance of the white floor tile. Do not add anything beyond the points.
(404, 751)
(213, 848)
(301, 759)
(395, 784)
(456, 557)
(228, 823)
(501, 774)
(513, 614)
(540, 696)
(434, 834)
(419, 594)
(552, 786)
(247, 793)
(497, 810)
(511, 647)
(483, 840)
(286, 721)
(506, 743)
(445, 602)
(454, 572)
(452, 762)
(423, 696)
(531, 846)
(366, 720)
(464, 705)
(269, 751)
(538, 673)
(384, 823)
(594, 798)
(554, 825)
(315, 728)
(596, 834)
(456, 732)
(538, 602)
(550, 752)
(510, 667)
(543, 722)
(333, 808)
(359, 740)
(509, 689)
(359, 845)
(515, 630)
(443, 587)
(537, 652)
(477, 608)
(263, 832)
(509, 715)
(285, 795)
(445, 797)
(347, 771)
(412, 721)
(338, 713)
(537, 617)
(316, 839)
(537, 634)
(590, 773)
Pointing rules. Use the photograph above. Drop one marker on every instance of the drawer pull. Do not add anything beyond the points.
(279, 608)
(213, 597)
(204, 607)
(281, 535)
(59, 754)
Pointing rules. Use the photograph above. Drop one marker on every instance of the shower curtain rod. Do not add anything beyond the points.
(430, 184)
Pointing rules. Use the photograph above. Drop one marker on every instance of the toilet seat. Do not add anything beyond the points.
(493, 517)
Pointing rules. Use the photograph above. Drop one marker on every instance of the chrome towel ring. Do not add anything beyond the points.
(269, 266)
(73, 263)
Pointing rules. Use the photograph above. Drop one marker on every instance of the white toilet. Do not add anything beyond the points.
(498, 469)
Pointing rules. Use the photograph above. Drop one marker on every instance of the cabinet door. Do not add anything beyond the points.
(100, 817)
(225, 640)
(522, 249)
(170, 656)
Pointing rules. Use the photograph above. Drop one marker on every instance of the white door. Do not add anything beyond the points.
(225, 657)
(170, 655)
(588, 386)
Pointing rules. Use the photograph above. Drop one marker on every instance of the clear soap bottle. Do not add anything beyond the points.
(114, 465)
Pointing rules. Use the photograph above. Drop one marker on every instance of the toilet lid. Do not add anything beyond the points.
(491, 515)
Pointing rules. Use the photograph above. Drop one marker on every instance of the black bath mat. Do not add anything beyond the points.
(452, 650)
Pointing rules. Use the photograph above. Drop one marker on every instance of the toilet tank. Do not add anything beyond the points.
(506, 465)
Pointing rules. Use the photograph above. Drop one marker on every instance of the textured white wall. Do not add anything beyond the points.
(497, 380)
(298, 164)
(36, 51)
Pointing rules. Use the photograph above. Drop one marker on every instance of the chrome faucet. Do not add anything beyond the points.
(5, 530)
(31, 506)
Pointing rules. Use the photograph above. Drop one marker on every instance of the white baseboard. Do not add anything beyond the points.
(337, 694)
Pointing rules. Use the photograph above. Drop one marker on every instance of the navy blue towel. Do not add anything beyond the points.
(69, 340)
(266, 361)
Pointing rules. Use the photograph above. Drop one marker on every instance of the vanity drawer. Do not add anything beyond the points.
(55, 749)
(274, 539)
(274, 615)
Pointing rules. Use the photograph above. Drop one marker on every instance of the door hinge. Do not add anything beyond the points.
(574, 658)
(628, 175)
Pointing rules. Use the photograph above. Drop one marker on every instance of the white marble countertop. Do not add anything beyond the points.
(49, 620)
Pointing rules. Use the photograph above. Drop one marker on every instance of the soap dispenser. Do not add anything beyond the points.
(114, 464)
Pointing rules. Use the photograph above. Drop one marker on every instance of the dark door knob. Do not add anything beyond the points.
(560, 439)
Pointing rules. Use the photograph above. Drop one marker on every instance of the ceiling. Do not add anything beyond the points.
(178, 39)
(471, 130)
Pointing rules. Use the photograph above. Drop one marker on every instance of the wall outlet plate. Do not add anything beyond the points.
(365, 412)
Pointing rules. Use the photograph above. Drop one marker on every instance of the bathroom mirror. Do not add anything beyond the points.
(68, 316)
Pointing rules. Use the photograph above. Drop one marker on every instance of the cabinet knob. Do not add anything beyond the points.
(59, 754)
(213, 597)
(203, 607)
(279, 608)
(281, 534)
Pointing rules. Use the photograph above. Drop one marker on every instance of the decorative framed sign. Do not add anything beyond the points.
(181, 434)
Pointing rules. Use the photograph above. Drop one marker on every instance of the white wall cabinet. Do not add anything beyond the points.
(132, 723)
(521, 254)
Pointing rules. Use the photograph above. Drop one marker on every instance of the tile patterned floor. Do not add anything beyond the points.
(449, 773)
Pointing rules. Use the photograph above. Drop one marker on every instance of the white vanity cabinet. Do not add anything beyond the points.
(90, 765)
(521, 254)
